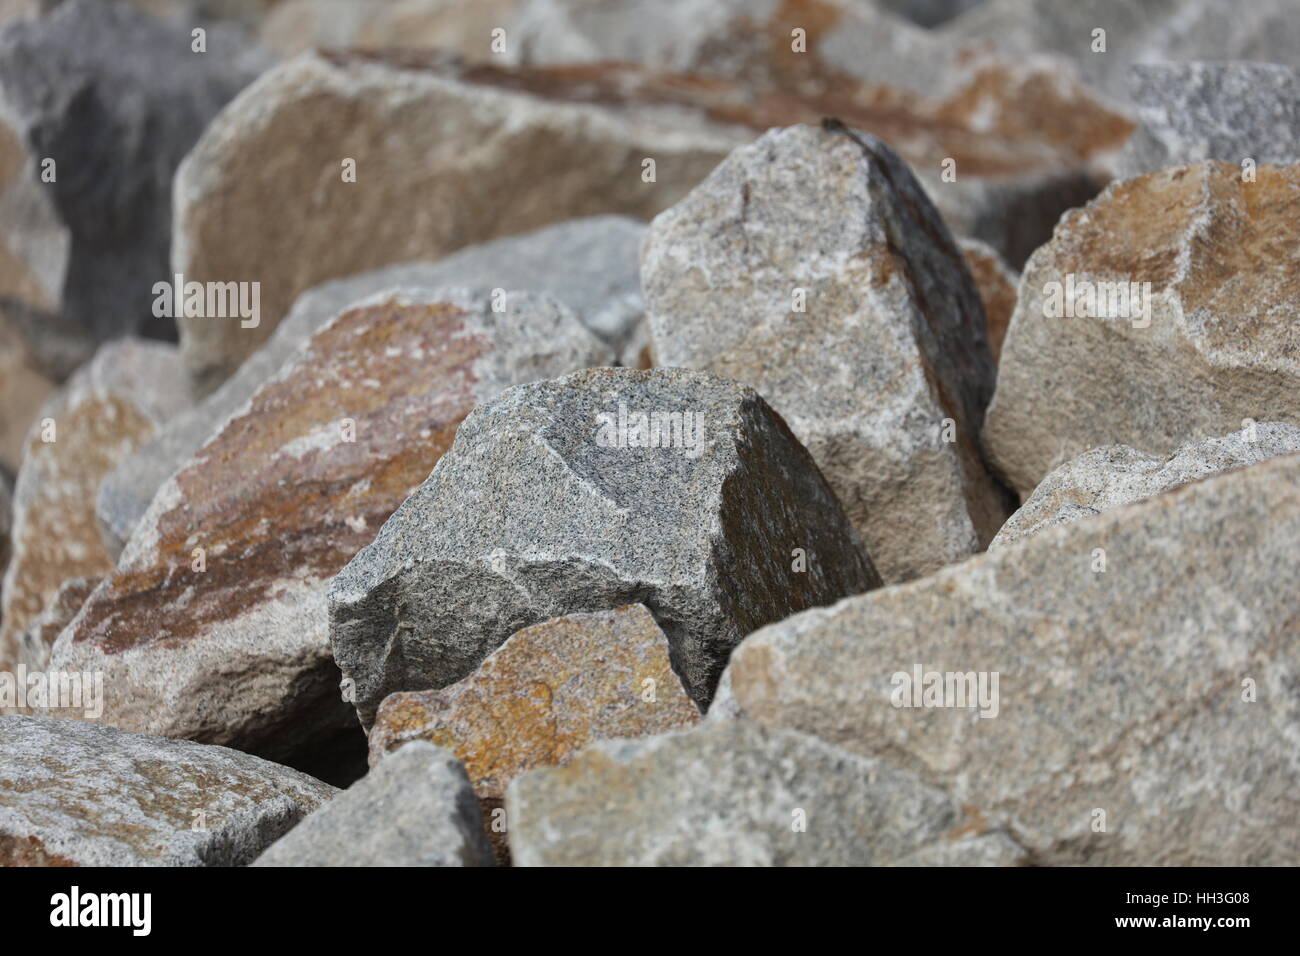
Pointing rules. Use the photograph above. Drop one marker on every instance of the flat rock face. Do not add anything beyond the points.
(1106, 478)
(996, 283)
(81, 794)
(591, 265)
(811, 266)
(585, 493)
(108, 410)
(213, 626)
(1230, 111)
(735, 794)
(543, 695)
(115, 98)
(1212, 340)
(415, 809)
(1142, 713)
(418, 193)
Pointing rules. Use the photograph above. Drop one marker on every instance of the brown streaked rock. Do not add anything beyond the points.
(108, 409)
(235, 650)
(996, 283)
(74, 793)
(1185, 290)
(35, 643)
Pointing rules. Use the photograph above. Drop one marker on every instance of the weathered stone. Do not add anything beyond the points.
(545, 507)
(24, 390)
(811, 266)
(35, 643)
(108, 409)
(542, 696)
(1106, 478)
(1145, 657)
(114, 98)
(404, 119)
(81, 794)
(247, 13)
(464, 26)
(1212, 340)
(996, 283)
(735, 794)
(928, 13)
(1231, 111)
(590, 265)
(415, 809)
(213, 627)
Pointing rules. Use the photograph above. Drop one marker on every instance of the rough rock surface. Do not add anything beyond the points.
(115, 98)
(887, 344)
(404, 119)
(1230, 111)
(1153, 698)
(81, 794)
(557, 498)
(1214, 340)
(43, 630)
(997, 284)
(544, 695)
(590, 265)
(415, 809)
(229, 645)
(108, 409)
(735, 794)
(1111, 477)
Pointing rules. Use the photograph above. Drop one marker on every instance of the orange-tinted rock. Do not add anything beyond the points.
(997, 288)
(213, 627)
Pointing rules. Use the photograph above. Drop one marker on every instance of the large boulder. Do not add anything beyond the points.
(670, 488)
(811, 266)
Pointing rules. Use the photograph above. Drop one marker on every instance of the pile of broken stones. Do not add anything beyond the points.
(649, 432)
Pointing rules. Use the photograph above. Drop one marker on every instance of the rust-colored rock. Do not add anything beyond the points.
(996, 283)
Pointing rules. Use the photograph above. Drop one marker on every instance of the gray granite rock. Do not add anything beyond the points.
(83, 794)
(735, 794)
(811, 266)
(1231, 111)
(1111, 477)
(546, 505)
(1144, 709)
(590, 265)
(115, 98)
(416, 808)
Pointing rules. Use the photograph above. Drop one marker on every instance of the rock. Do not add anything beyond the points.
(464, 26)
(108, 409)
(1230, 111)
(414, 809)
(1106, 478)
(590, 265)
(213, 627)
(419, 194)
(882, 368)
(1184, 286)
(23, 391)
(80, 794)
(996, 283)
(1151, 698)
(929, 13)
(6, 522)
(246, 13)
(734, 794)
(542, 696)
(717, 526)
(115, 98)
(35, 643)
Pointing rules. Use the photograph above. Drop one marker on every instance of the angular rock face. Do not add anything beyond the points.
(80, 794)
(811, 266)
(1167, 310)
(590, 265)
(403, 120)
(415, 809)
(1229, 111)
(670, 488)
(108, 410)
(114, 98)
(44, 629)
(1142, 710)
(735, 794)
(542, 696)
(1106, 478)
(213, 627)
(996, 284)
